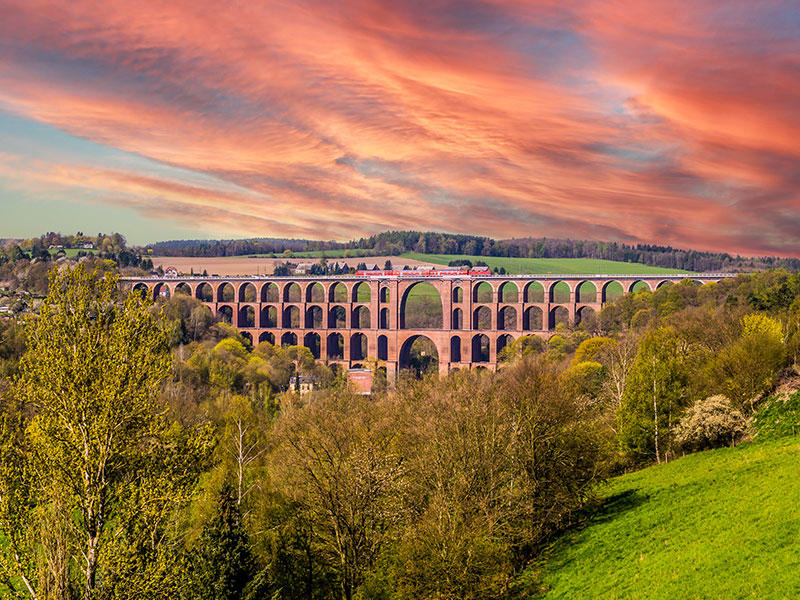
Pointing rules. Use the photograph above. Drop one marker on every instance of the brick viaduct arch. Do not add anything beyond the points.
(344, 320)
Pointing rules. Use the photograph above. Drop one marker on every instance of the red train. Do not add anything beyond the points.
(427, 273)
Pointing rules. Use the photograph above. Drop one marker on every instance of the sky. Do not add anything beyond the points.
(668, 122)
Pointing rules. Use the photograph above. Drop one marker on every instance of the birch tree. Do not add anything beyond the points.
(95, 446)
(654, 395)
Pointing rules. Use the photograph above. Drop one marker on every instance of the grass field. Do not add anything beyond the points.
(71, 252)
(259, 265)
(583, 266)
(717, 524)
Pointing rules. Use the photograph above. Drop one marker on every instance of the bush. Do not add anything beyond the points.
(778, 417)
(749, 366)
(710, 423)
(461, 262)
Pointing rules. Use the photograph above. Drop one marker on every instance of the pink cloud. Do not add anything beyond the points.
(608, 120)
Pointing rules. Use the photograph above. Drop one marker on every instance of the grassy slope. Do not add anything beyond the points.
(719, 524)
(582, 266)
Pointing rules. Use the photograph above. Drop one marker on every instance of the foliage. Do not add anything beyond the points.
(96, 446)
(223, 565)
(587, 377)
(521, 347)
(339, 464)
(12, 346)
(655, 393)
(496, 467)
(589, 350)
(759, 324)
(53, 246)
(710, 423)
(557, 347)
(748, 367)
(778, 416)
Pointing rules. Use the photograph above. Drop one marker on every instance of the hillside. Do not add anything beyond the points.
(257, 265)
(395, 243)
(537, 266)
(717, 524)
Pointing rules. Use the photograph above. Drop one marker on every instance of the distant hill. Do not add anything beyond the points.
(394, 243)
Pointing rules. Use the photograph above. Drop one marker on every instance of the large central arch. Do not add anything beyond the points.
(411, 357)
(421, 307)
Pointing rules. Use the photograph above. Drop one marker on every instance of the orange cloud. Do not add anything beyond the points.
(656, 122)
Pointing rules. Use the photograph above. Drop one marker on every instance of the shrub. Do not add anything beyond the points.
(749, 366)
(461, 262)
(589, 349)
(587, 377)
(640, 319)
(710, 423)
(778, 417)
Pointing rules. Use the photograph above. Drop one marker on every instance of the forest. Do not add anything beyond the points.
(150, 451)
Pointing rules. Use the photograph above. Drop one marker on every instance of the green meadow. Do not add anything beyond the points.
(541, 266)
(70, 252)
(716, 524)
(520, 266)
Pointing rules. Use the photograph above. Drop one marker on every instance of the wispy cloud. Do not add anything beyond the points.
(669, 122)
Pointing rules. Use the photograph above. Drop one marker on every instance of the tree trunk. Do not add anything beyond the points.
(91, 565)
(655, 412)
(310, 579)
(239, 460)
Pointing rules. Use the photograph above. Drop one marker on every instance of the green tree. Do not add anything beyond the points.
(335, 459)
(521, 347)
(223, 564)
(97, 467)
(588, 350)
(654, 396)
(242, 441)
(588, 377)
(618, 359)
(749, 366)
(496, 465)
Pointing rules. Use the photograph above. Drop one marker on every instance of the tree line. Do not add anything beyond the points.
(237, 247)
(52, 247)
(393, 243)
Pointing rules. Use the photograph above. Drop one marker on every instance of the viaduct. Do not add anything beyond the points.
(345, 319)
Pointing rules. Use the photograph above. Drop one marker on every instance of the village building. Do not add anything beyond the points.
(361, 380)
(303, 384)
